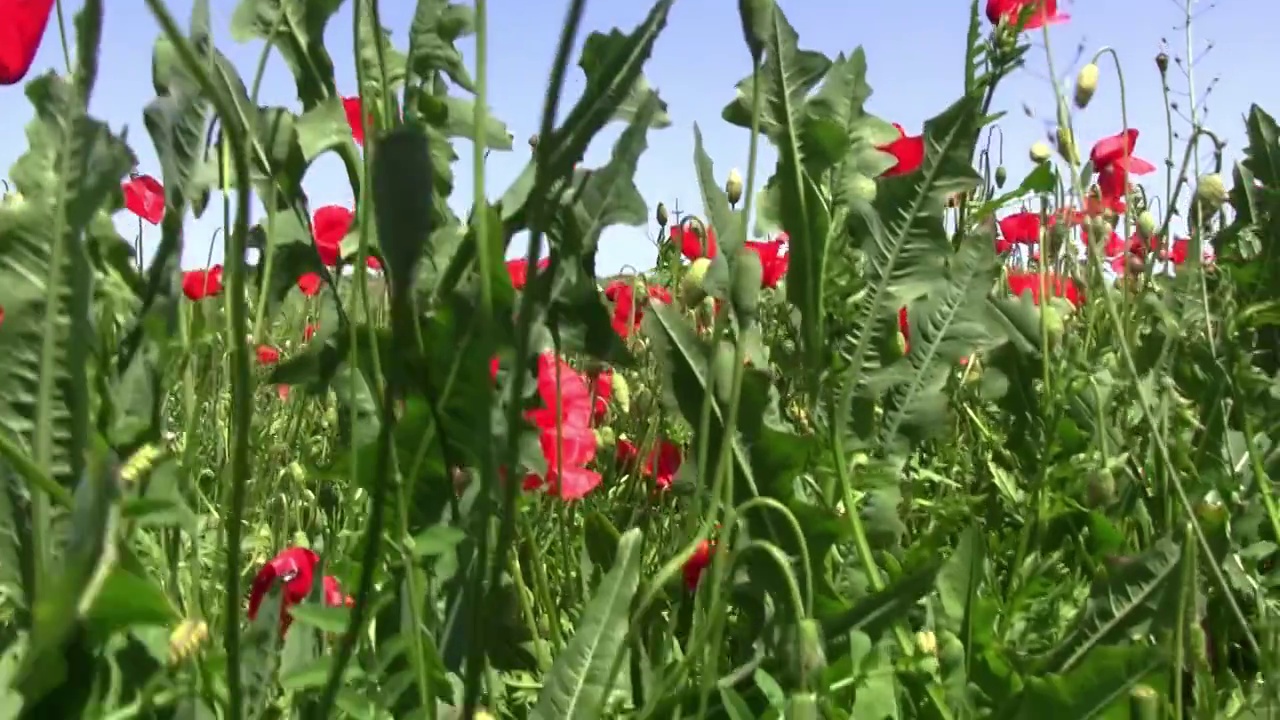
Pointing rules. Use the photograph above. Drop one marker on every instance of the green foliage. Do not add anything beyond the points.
(895, 476)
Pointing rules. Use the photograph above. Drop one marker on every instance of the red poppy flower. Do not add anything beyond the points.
(687, 237)
(308, 332)
(565, 434)
(1021, 283)
(373, 263)
(602, 392)
(1177, 254)
(518, 269)
(282, 391)
(625, 454)
(699, 561)
(144, 197)
(908, 150)
(310, 284)
(773, 259)
(1114, 161)
(329, 226)
(663, 463)
(295, 569)
(628, 311)
(268, 355)
(333, 595)
(20, 36)
(200, 284)
(1021, 228)
(353, 106)
(1041, 12)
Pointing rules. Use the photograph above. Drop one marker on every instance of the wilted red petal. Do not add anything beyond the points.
(21, 31)
(773, 260)
(698, 562)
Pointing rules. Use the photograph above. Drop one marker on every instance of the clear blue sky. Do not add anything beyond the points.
(914, 48)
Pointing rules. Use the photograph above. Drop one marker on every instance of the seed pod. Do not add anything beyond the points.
(1040, 152)
(1086, 85)
(1002, 175)
(1211, 191)
(1162, 62)
(733, 187)
(661, 214)
(748, 276)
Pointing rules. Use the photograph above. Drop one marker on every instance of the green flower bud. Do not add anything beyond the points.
(1211, 191)
(1002, 176)
(1146, 225)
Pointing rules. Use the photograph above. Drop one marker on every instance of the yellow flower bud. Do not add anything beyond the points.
(1086, 84)
(1067, 146)
(733, 187)
(621, 391)
(1040, 152)
(691, 285)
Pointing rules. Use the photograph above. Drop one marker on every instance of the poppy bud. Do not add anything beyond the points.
(863, 188)
(927, 642)
(139, 463)
(1135, 264)
(1146, 225)
(748, 276)
(1067, 146)
(1102, 489)
(1001, 176)
(1053, 320)
(1211, 191)
(605, 436)
(733, 187)
(1162, 62)
(691, 285)
(1086, 85)
(722, 372)
(662, 215)
(533, 142)
(186, 639)
(1040, 152)
(1144, 703)
(950, 650)
(621, 391)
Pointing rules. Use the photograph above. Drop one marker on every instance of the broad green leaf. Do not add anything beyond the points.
(715, 203)
(455, 118)
(1097, 687)
(597, 63)
(580, 680)
(437, 25)
(323, 128)
(296, 30)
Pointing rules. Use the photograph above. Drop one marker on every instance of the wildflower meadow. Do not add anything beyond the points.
(883, 433)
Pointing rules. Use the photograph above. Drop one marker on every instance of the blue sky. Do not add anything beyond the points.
(914, 48)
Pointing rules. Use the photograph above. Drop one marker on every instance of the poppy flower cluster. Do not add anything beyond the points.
(1021, 283)
(294, 568)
